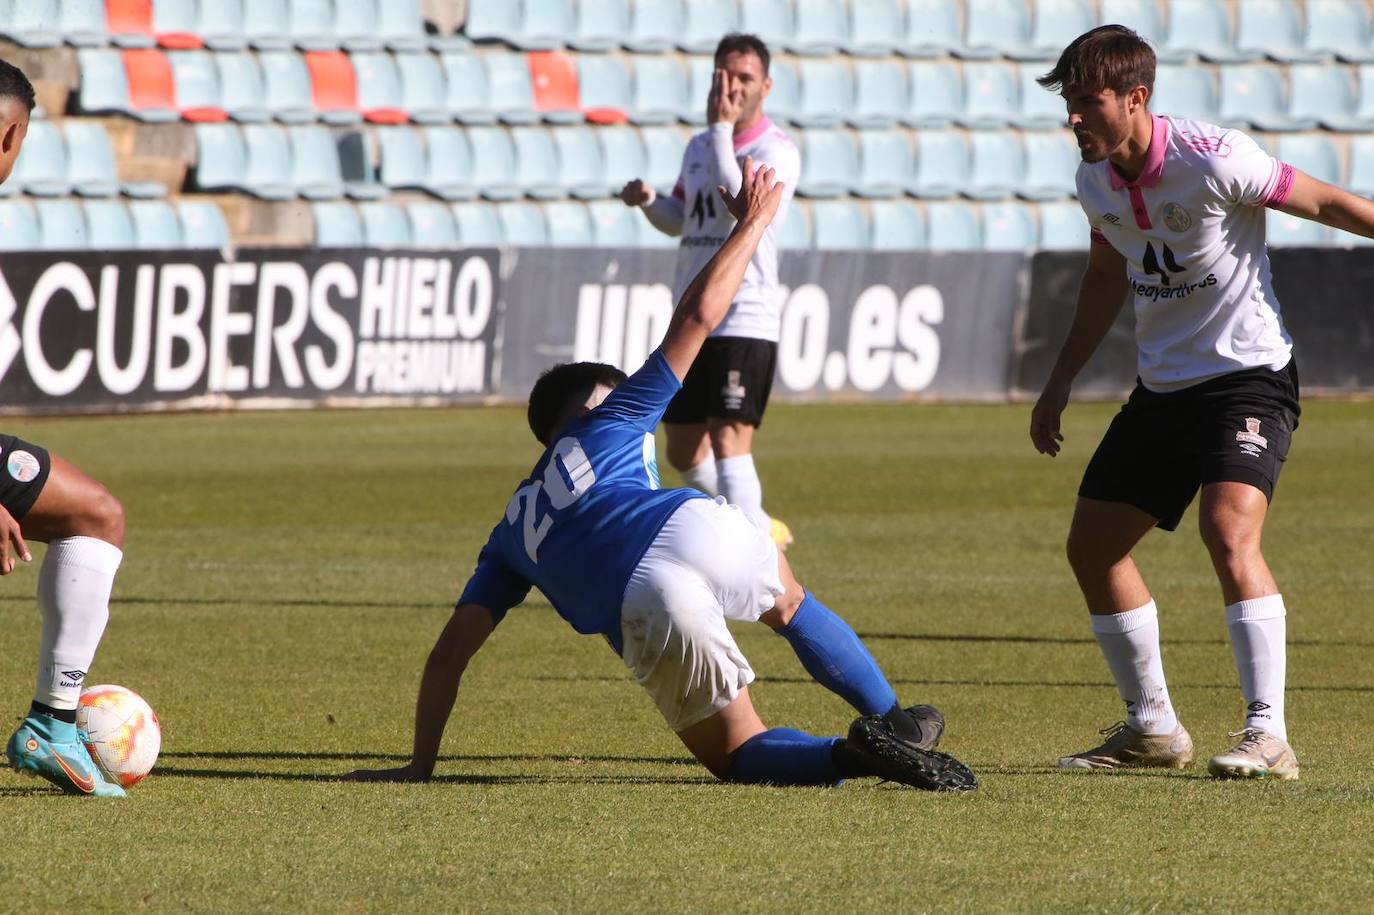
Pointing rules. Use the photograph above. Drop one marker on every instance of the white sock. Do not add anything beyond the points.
(739, 484)
(74, 586)
(1258, 630)
(703, 476)
(1130, 643)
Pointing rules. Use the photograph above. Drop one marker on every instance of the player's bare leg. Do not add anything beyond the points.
(689, 453)
(1126, 626)
(732, 442)
(715, 740)
(1231, 521)
(73, 504)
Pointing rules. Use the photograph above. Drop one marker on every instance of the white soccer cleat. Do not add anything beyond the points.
(1127, 748)
(1259, 754)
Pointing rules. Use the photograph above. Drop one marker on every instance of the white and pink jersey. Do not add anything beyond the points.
(1191, 228)
(757, 310)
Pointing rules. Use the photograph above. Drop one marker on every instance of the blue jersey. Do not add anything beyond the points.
(579, 524)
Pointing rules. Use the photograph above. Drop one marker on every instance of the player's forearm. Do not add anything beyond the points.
(438, 692)
(723, 146)
(1100, 299)
(1349, 213)
(665, 213)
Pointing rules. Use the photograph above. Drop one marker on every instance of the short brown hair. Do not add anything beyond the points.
(739, 43)
(1108, 57)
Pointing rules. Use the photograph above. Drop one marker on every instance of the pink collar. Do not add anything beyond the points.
(1154, 158)
(753, 133)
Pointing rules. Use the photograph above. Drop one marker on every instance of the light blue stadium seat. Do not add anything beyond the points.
(493, 163)
(267, 24)
(1063, 227)
(156, 225)
(478, 225)
(384, 226)
(523, 224)
(827, 93)
(536, 160)
(622, 156)
(1285, 231)
(286, 87)
(1008, 226)
(493, 20)
(659, 95)
(243, 91)
(570, 225)
(510, 91)
(699, 71)
(467, 96)
(431, 225)
(61, 226)
(998, 168)
(175, 17)
(1361, 180)
(876, 28)
(932, 28)
(1051, 165)
(704, 22)
(995, 28)
(202, 224)
(196, 79)
(310, 24)
(104, 83)
(358, 166)
(401, 158)
(1185, 91)
(18, 226)
(91, 165)
(1314, 154)
(839, 225)
(830, 164)
(770, 20)
(546, 25)
(952, 226)
(41, 169)
(33, 23)
(942, 163)
(614, 225)
(337, 225)
(1142, 16)
(315, 170)
(108, 226)
(599, 25)
(992, 97)
(937, 94)
(379, 82)
(1039, 106)
(221, 157)
(581, 173)
(1325, 94)
(896, 226)
(663, 149)
(1055, 24)
(401, 25)
(82, 23)
(784, 100)
(1339, 28)
(880, 95)
(795, 232)
(1365, 106)
(1253, 95)
(355, 25)
(423, 93)
(448, 164)
(268, 173)
(886, 165)
(1273, 28)
(654, 25)
(819, 27)
(603, 82)
(221, 25)
(1202, 27)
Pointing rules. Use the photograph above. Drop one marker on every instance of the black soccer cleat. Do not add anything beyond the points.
(872, 749)
(931, 724)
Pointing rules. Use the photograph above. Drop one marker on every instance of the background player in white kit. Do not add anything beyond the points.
(711, 423)
(1178, 223)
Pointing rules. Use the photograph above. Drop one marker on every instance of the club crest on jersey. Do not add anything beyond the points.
(1251, 433)
(1177, 218)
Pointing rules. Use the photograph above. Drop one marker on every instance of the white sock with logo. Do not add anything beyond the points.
(703, 476)
(74, 587)
(1130, 643)
(739, 484)
(1258, 630)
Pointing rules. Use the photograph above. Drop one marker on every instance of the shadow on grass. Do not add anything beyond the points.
(405, 757)
(459, 779)
(1009, 684)
(1077, 640)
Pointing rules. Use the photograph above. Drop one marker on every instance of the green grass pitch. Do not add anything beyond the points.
(286, 574)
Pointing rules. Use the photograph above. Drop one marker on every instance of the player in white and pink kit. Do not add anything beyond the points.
(711, 422)
(1177, 210)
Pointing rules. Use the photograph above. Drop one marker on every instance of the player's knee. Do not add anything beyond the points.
(785, 607)
(106, 515)
(1227, 541)
(1084, 552)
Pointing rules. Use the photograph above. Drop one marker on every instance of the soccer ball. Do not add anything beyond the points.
(122, 732)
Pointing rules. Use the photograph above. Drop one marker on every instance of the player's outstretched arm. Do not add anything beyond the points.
(1325, 203)
(707, 300)
(1100, 297)
(667, 214)
(466, 631)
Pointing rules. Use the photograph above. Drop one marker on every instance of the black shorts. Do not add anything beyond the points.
(23, 471)
(730, 379)
(1162, 447)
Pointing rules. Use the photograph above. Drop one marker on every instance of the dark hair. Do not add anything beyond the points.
(740, 43)
(1108, 57)
(562, 388)
(14, 84)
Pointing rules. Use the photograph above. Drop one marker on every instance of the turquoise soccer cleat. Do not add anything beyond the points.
(54, 750)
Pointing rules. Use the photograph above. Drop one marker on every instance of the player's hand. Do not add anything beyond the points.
(407, 773)
(1044, 427)
(636, 193)
(12, 545)
(759, 195)
(722, 106)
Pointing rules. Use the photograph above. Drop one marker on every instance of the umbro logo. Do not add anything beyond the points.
(74, 675)
(1152, 262)
(1112, 218)
(1257, 707)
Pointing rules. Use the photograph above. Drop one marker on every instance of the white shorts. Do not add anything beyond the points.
(708, 564)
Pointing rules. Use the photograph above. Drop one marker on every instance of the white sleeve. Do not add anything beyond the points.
(666, 213)
(723, 148)
(1246, 175)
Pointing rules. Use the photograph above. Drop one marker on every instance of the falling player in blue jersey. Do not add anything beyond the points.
(657, 572)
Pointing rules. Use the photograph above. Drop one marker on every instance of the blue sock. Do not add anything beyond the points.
(832, 654)
(783, 756)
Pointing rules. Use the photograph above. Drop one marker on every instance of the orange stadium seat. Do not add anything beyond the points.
(554, 76)
(131, 24)
(333, 86)
(152, 88)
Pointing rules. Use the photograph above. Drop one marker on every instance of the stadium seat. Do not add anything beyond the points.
(830, 164)
(354, 26)
(402, 158)
(333, 87)
(604, 88)
(493, 20)
(448, 164)
(357, 165)
(569, 224)
(129, 23)
(268, 172)
(1365, 105)
(876, 28)
(658, 94)
(197, 86)
(581, 172)
(998, 168)
(599, 25)
(663, 150)
(61, 226)
(699, 71)
(1253, 95)
(1142, 16)
(622, 156)
(91, 164)
(1202, 28)
(155, 224)
(202, 224)
(991, 95)
(380, 95)
(1185, 91)
(1314, 154)
(655, 25)
(18, 226)
(467, 96)
(995, 28)
(614, 225)
(286, 87)
(267, 24)
(1285, 231)
(221, 157)
(478, 225)
(423, 92)
(952, 226)
(1273, 28)
(176, 24)
(1056, 23)
(1051, 165)
(1339, 28)
(704, 22)
(310, 24)
(82, 23)
(1063, 227)
(1361, 179)
(770, 20)
(937, 94)
(1008, 226)
(108, 225)
(896, 226)
(932, 28)
(523, 225)
(546, 25)
(315, 170)
(942, 164)
(885, 163)
(494, 171)
(1039, 106)
(827, 93)
(242, 90)
(1325, 94)
(510, 89)
(384, 226)
(536, 159)
(840, 225)
(431, 225)
(819, 27)
(880, 96)
(152, 91)
(795, 233)
(221, 25)
(41, 168)
(337, 225)
(783, 103)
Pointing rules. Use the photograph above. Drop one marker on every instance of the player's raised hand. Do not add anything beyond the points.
(1044, 427)
(759, 195)
(12, 545)
(636, 193)
(722, 106)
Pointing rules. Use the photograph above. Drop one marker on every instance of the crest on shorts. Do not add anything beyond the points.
(22, 466)
(1177, 218)
(1251, 433)
(733, 391)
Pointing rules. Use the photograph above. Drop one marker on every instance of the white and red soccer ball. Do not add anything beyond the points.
(122, 732)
